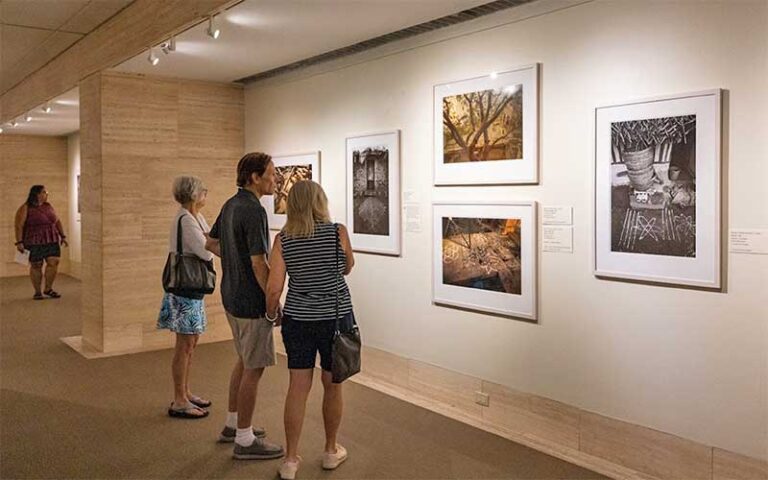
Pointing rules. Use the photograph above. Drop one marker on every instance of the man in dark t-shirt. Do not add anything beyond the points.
(240, 237)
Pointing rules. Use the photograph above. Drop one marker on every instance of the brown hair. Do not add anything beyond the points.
(254, 162)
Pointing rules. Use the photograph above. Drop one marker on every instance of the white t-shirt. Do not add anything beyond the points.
(192, 234)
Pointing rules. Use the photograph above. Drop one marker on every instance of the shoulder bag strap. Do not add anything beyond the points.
(336, 272)
(179, 247)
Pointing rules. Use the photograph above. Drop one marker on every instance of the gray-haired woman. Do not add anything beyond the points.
(185, 315)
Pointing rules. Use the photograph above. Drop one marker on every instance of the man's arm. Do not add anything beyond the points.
(260, 270)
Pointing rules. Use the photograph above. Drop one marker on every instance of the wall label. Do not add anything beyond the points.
(750, 241)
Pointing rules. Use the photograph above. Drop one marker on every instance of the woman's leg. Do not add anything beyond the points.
(51, 269)
(193, 344)
(295, 406)
(332, 409)
(36, 275)
(179, 367)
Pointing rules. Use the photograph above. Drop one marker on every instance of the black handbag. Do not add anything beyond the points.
(187, 274)
(346, 345)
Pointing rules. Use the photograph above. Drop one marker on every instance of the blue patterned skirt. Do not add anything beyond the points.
(182, 315)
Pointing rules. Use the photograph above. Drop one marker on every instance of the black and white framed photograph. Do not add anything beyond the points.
(485, 257)
(486, 129)
(289, 169)
(657, 190)
(373, 192)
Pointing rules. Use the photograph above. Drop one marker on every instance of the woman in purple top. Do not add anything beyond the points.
(39, 230)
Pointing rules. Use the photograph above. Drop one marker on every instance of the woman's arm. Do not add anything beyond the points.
(276, 280)
(193, 238)
(19, 221)
(346, 245)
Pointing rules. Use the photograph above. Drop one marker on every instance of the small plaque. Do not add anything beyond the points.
(557, 239)
(412, 218)
(557, 215)
(750, 241)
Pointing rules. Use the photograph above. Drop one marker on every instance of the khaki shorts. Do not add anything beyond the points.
(253, 341)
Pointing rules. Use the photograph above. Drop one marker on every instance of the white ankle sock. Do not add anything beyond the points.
(245, 437)
(231, 420)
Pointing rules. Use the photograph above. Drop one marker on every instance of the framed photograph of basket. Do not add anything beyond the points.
(373, 192)
(484, 257)
(289, 169)
(657, 190)
(486, 129)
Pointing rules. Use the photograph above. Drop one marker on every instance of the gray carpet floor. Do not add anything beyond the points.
(62, 416)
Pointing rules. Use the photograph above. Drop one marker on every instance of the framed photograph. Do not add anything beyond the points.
(289, 169)
(373, 192)
(485, 257)
(486, 129)
(657, 190)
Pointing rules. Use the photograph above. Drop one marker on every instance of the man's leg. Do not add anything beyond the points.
(246, 396)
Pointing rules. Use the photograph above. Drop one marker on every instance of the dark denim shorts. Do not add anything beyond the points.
(303, 340)
(38, 253)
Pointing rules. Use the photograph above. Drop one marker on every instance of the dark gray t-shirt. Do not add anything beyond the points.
(242, 231)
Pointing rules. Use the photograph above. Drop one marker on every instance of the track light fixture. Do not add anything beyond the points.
(1, 129)
(152, 58)
(168, 46)
(47, 108)
(14, 123)
(213, 30)
(28, 117)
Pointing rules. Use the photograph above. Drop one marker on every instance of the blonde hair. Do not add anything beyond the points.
(307, 205)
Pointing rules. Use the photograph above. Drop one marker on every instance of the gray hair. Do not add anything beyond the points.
(187, 189)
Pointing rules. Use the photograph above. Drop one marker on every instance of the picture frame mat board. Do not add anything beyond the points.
(524, 305)
(702, 270)
(495, 172)
(389, 244)
(276, 220)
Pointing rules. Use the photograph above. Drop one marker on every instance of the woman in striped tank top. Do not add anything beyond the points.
(315, 257)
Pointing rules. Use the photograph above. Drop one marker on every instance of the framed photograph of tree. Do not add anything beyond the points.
(485, 257)
(373, 192)
(657, 190)
(289, 169)
(486, 129)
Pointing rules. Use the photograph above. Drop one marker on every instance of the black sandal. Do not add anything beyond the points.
(38, 296)
(200, 402)
(184, 412)
(52, 293)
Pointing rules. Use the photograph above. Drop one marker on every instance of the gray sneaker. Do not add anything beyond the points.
(228, 434)
(260, 449)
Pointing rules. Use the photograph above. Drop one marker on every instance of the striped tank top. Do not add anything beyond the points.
(312, 277)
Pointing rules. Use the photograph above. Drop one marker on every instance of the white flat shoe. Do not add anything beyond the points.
(287, 470)
(333, 460)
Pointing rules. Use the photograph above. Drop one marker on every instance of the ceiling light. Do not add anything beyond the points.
(152, 58)
(47, 108)
(213, 31)
(14, 123)
(168, 46)
(494, 75)
(1, 129)
(28, 117)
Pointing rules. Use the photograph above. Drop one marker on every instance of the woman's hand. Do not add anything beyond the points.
(20, 247)
(64, 242)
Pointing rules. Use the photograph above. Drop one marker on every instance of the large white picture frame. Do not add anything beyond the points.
(485, 257)
(486, 129)
(289, 169)
(657, 190)
(373, 192)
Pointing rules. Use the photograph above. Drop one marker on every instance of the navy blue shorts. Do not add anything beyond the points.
(303, 340)
(38, 253)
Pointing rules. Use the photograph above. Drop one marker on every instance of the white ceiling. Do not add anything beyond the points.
(33, 32)
(63, 119)
(256, 36)
(259, 35)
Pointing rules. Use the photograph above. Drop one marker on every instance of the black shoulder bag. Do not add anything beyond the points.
(346, 345)
(187, 274)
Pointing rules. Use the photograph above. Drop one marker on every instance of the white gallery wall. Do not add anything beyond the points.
(73, 226)
(688, 362)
